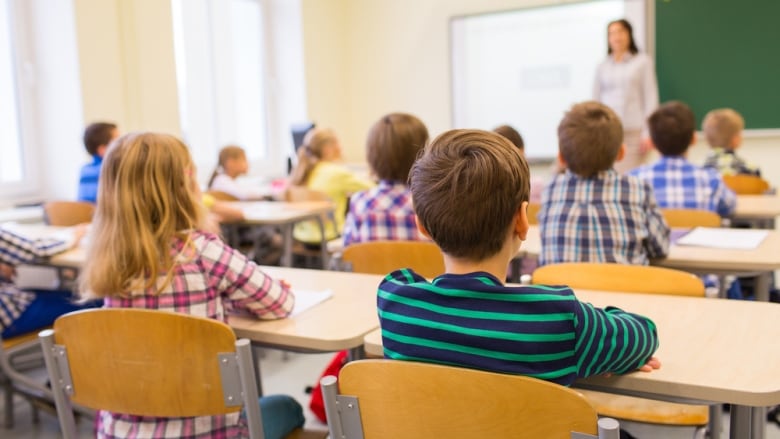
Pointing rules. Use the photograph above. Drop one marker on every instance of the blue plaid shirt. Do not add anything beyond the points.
(605, 218)
(14, 250)
(382, 213)
(679, 184)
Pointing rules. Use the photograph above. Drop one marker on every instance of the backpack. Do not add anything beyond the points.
(316, 403)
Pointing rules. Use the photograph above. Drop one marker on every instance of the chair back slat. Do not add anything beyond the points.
(400, 399)
(382, 257)
(743, 184)
(620, 277)
(67, 213)
(691, 218)
(145, 362)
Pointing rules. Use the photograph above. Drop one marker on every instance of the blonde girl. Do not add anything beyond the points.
(149, 250)
(232, 164)
(318, 169)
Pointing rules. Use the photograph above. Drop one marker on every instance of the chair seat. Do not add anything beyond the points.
(646, 410)
(9, 343)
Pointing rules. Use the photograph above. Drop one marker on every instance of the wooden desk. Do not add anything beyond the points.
(711, 350)
(30, 214)
(284, 215)
(760, 261)
(761, 209)
(339, 323)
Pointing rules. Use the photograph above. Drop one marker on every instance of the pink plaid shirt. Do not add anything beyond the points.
(210, 279)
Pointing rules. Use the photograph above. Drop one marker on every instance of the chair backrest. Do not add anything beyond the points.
(691, 218)
(221, 196)
(149, 363)
(744, 184)
(382, 257)
(404, 399)
(302, 193)
(620, 277)
(67, 213)
(533, 211)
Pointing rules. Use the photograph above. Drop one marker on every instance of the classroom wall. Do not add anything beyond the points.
(365, 58)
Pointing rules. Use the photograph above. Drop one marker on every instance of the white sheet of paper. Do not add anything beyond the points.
(735, 239)
(305, 299)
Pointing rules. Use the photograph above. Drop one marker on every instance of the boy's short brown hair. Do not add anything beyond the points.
(393, 144)
(589, 138)
(467, 187)
(671, 128)
(96, 135)
(511, 134)
(721, 126)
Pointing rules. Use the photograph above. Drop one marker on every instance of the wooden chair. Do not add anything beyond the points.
(382, 257)
(634, 279)
(533, 211)
(319, 256)
(691, 218)
(149, 363)
(67, 213)
(383, 399)
(743, 184)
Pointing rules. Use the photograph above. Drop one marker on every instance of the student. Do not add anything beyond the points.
(232, 164)
(318, 169)
(513, 136)
(723, 130)
(591, 213)
(470, 191)
(678, 183)
(22, 312)
(149, 251)
(97, 136)
(385, 212)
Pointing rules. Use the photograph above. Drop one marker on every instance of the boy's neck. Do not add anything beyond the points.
(495, 265)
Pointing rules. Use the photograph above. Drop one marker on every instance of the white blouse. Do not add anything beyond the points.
(629, 87)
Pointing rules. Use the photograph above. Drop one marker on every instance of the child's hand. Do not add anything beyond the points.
(652, 364)
(78, 233)
(284, 284)
(7, 272)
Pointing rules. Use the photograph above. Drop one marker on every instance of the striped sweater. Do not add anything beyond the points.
(474, 321)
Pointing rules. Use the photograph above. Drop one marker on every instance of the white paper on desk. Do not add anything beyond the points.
(733, 239)
(305, 299)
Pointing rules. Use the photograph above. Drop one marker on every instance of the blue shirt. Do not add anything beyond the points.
(88, 180)
(472, 320)
(679, 184)
(605, 218)
(382, 213)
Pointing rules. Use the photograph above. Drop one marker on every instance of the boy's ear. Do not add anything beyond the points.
(621, 152)
(561, 162)
(101, 150)
(521, 221)
(421, 228)
(693, 139)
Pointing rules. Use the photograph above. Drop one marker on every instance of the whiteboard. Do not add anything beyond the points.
(527, 67)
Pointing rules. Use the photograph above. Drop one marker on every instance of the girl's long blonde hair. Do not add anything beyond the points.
(147, 196)
(310, 153)
(225, 154)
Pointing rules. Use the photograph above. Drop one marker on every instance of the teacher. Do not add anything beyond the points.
(626, 82)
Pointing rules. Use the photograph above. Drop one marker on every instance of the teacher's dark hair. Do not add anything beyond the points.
(631, 43)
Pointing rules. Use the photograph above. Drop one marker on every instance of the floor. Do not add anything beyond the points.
(290, 373)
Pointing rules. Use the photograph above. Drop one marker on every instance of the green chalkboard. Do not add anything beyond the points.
(721, 53)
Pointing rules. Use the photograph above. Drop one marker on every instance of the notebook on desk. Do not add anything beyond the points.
(723, 238)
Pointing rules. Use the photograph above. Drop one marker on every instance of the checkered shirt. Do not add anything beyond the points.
(208, 281)
(606, 218)
(382, 213)
(727, 162)
(679, 184)
(14, 250)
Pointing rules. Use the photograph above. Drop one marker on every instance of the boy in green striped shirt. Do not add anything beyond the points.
(470, 190)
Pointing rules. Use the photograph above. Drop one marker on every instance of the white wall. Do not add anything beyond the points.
(365, 58)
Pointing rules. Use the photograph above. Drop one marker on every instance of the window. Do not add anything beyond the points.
(12, 169)
(225, 65)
